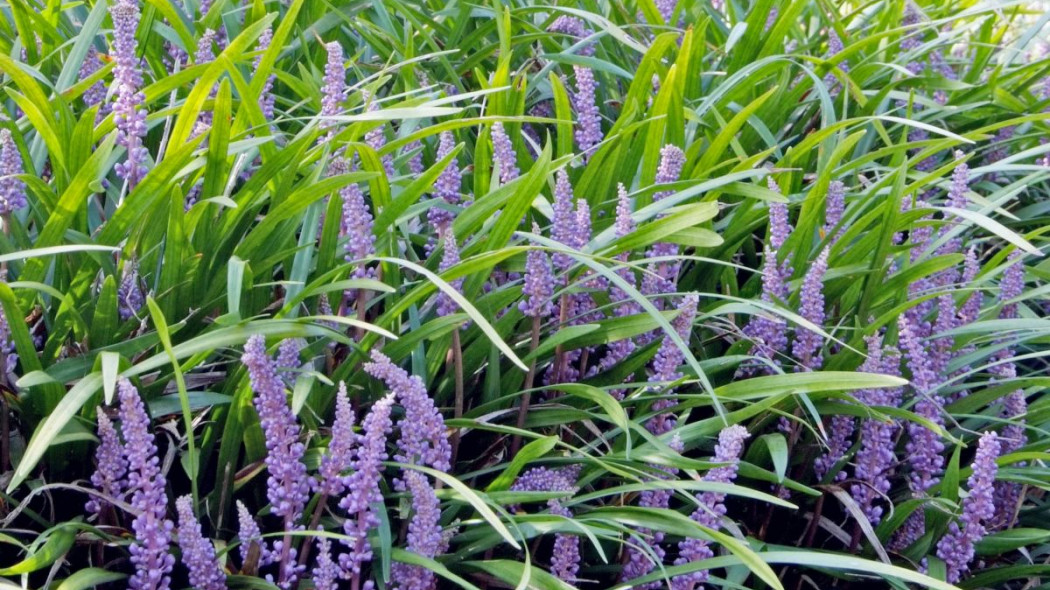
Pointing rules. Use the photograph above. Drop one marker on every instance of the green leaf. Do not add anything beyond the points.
(530, 452)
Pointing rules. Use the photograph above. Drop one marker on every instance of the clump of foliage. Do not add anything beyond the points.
(507, 294)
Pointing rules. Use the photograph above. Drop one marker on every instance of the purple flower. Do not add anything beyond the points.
(129, 110)
(712, 505)
(666, 9)
(250, 535)
(669, 357)
(588, 131)
(12, 189)
(546, 479)
(875, 458)
(364, 496)
(779, 226)
(108, 477)
(834, 207)
(376, 138)
(834, 48)
(8, 354)
(447, 185)
(638, 562)
(769, 333)
(129, 293)
(565, 559)
(663, 276)
(445, 304)
(807, 344)
(327, 573)
(340, 454)
(288, 486)
(357, 228)
(424, 438)
(198, 553)
(266, 95)
(504, 161)
(424, 534)
(149, 549)
(415, 162)
(288, 352)
(971, 308)
(672, 160)
(957, 547)
(574, 27)
(563, 223)
(924, 446)
(1011, 286)
(333, 92)
(97, 92)
(538, 290)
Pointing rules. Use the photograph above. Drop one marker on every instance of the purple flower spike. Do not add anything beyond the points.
(957, 547)
(424, 438)
(340, 454)
(129, 110)
(563, 223)
(288, 486)
(376, 138)
(834, 207)
(327, 573)
(624, 223)
(333, 92)
(250, 535)
(150, 554)
(266, 95)
(574, 27)
(924, 446)
(288, 353)
(424, 534)
(415, 162)
(447, 185)
(588, 119)
(768, 333)
(1011, 286)
(198, 553)
(875, 458)
(638, 561)
(357, 228)
(712, 505)
(445, 304)
(666, 9)
(779, 226)
(834, 48)
(971, 308)
(672, 160)
(12, 189)
(503, 158)
(565, 559)
(806, 348)
(97, 92)
(130, 298)
(666, 362)
(363, 486)
(108, 477)
(538, 289)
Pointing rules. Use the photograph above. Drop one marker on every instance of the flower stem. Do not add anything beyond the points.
(523, 408)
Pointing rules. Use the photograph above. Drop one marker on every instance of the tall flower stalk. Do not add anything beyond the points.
(129, 109)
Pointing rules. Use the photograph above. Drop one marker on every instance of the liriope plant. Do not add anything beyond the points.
(601, 295)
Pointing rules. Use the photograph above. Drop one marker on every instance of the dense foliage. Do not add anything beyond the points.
(615, 294)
